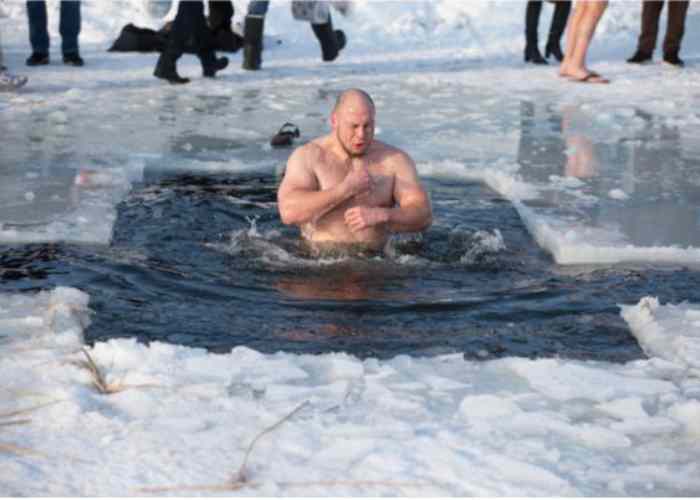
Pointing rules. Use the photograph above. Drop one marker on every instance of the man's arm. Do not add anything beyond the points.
(413, 212)
(300, 199)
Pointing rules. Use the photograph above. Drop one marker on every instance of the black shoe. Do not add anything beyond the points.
(165, 69)
(37, 59)
(674, 60)
(331, 41)
(217, 65)
(553, 49)
(73, 59)
(639, 58)
(285, 136)
(342, 39)
(532, 54)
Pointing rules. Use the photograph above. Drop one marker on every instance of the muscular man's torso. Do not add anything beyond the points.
(330, 171)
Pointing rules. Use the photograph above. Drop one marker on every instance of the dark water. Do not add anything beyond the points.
(204, 261)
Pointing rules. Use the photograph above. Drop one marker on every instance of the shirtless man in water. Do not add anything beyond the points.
(347, 190)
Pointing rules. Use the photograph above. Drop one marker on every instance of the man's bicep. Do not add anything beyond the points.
(407, 185)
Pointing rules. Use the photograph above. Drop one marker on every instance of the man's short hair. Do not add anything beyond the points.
(345, 93)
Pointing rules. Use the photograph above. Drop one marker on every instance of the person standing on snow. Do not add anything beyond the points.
(316, 12)
(69, 26)
(189, 28)
(532, 19)
(675, 28)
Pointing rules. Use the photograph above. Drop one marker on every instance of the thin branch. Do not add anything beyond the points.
(18, 450)
(28, 410)
(99, 381)
(242, 477)
(15, 422)
(235, 486)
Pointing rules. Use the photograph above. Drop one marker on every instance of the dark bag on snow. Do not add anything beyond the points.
(135, 39)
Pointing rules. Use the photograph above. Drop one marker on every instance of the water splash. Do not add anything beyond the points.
(482, 245)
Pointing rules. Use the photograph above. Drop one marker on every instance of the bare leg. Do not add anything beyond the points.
(574, 64)
(574, 22)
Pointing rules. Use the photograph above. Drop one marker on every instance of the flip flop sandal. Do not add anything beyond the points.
(592, 78)
(285, 136)
(590, 74)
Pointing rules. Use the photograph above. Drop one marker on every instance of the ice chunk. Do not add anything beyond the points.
(618, 194)
(624, 408)
(487, 405)
(669, 331)
(687, 413)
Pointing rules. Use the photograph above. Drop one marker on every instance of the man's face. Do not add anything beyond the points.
(353, 125)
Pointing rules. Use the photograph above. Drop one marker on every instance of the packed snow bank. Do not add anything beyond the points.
(180, 420)
(671, 332)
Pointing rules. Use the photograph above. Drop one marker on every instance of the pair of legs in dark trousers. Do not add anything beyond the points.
(189, 31)
(331, 41)
(675, 28)
(69, 27)
(556, 30)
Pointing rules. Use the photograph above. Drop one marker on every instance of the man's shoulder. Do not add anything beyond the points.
(391, 155)
(311, 150)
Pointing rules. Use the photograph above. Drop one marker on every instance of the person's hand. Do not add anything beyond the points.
(358, 218)
(358, 180)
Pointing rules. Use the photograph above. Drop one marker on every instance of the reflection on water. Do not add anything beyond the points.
(581, 159)
(639, 184)
(351, 281)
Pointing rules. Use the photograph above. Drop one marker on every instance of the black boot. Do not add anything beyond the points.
(533, 55)
(210, 63)
(332, 42)
(554, 49)
(556, 30)
(252, 42)
(639, 58)
(166, 69)
(674, 60)
(532, 17)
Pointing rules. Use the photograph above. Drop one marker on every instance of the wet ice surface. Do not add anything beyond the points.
(490, 358)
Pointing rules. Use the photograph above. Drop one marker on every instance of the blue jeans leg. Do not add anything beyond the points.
(69, 26)
(258, 8)
(38, 34)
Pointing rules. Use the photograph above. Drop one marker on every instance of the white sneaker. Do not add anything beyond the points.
(8, 81)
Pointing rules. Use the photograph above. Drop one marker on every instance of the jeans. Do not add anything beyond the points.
(258, 8)
(69, 26)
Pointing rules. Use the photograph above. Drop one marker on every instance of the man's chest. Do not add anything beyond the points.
(381, 189)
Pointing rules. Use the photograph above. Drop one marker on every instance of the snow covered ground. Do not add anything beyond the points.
(598, 174)
(181, 421)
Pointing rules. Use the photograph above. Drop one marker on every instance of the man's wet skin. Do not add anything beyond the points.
(346, 188)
